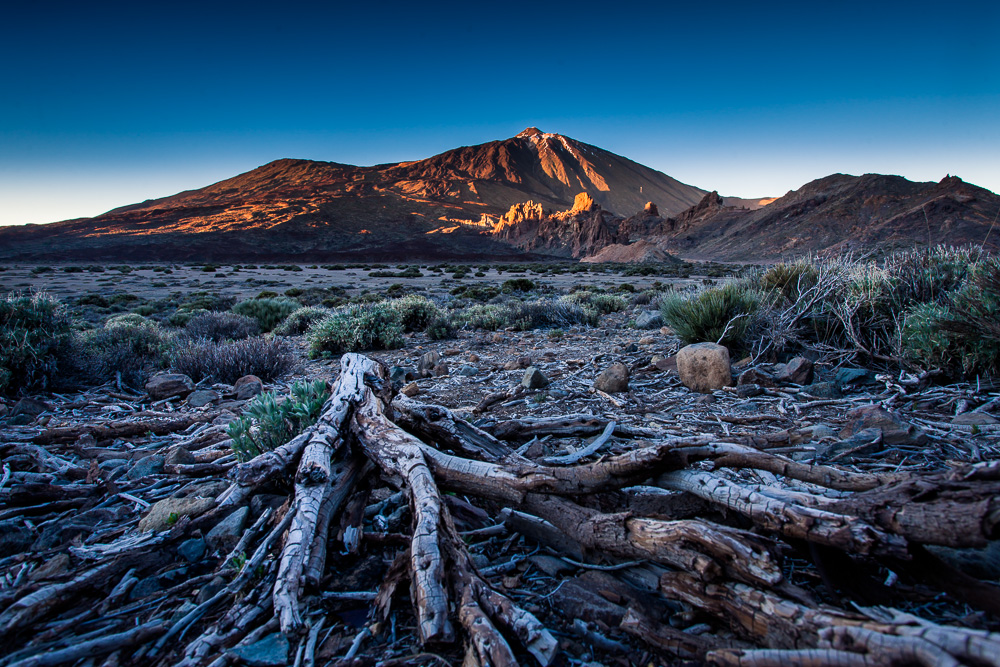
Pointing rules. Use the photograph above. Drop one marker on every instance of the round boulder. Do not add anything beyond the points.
(704, 367)
(613, 380)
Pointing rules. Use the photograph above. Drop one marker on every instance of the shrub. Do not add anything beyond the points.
(34, 334)
(722, 314)
(269, 312)
(523, 316)
(300, 320)
(415, 311)
(207, 301)
(601, 303)
(356, 327)
(129, 344)
(181, 317)
(267, 358)
(441, 327)
(221, 326)
(791, 280)
(268, 423)
(480, 293)
(518, 285)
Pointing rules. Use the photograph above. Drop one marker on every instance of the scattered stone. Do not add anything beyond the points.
(862, 443)
(755, 376)
(518, 364)
(168, 511)
(647, 340)
(648, 319)
(427, 362)
(534, 379)
(51, 568)
(440, 369)
(209, 590)
(473, 358)
(192, 550)
(144, 588)
(894, 430)
(797, 371)
(150, 465)
(467, 371)
(852, 376)
(823, 390)
(247, 387)
(551, 565)
(224, 418)
(821, 431)
(169, 385)
(452, 351)
(668, 364)
(704, 367)
(199, 398)
(271, 651)
(227, 532)
(410, 390)
(973, 419)
(749, 390)
(30, 407)
(613, 380)
(631, 348)
(402, 374)
(707, 399)
(179, 456)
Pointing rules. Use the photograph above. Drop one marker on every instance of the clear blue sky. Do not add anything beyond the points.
(105, 104)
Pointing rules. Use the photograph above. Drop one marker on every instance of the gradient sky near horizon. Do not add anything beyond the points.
(108, 104)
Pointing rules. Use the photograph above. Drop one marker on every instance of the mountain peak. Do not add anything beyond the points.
(529, 132)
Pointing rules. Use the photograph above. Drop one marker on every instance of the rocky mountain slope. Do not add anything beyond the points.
(438, 207)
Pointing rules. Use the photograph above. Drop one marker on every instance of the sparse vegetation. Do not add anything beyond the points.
(721, 314)
(269, 311)
(130, 345)
(34, 335)
(600, 303)
(415, 311)
(267, 358)
(269, 422)
(300, 320)
(218, 326)
(376, 326)
(523, 316)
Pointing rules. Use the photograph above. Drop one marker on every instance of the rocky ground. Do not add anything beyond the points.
(90, 479)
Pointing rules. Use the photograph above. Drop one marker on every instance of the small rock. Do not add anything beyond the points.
(648, 319)
(271, 651)
(474, 358)
(797, 371)
(852, 376)
(647, 340)
(467, 371)
(209, 590)
(534, 379)
(427, 362)
(862, 443)
(668, 364)
(749, 390)
(53, 567)
(192, 550)
(31, 407)
(518, 364)
(159, 516)
(111, 464)
(666, 331)
(894, 430)
(247, 387)
(821, 431)
(707, 399)
(144, 588)
(168, 385)
(481, 561)
(440, 369)
(401, 374)
(227, 532)
(823, 390)
(613, 380)
(704, 367)
(452, 351)
(973, 419)
(199, 398)
(150, 465)
(179, 456)
(410, 390)
(224, 418)
(755, 376)
(631, 348)
(550, 565)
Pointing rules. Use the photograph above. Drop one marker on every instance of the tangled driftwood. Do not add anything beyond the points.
(729, 568)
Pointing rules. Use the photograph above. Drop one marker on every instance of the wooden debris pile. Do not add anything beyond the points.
(715, 529)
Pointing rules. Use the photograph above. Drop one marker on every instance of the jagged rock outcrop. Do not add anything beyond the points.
(578, 232)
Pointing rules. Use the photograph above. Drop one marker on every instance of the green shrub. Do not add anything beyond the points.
(442, 326)
(181, 317)
(791, 280)
(356, 327)
(481, 293)
(227, 361)
(268, 312)
(221, 326)
(485, 316)
(130, 344)
(518, 285)
(34, 334)
(300, 320)
(523, 316)
(268, 423)
(415, 311)
(722, 314)
(601, 303)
